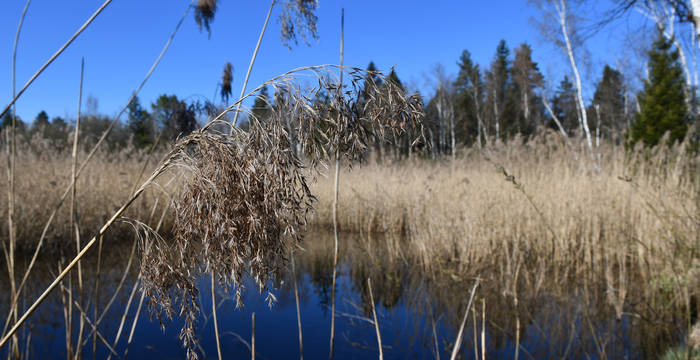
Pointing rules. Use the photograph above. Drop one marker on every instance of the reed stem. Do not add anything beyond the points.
(376, 321)
(335, 197)
(458, 340)
(250, 65)
(213, 311)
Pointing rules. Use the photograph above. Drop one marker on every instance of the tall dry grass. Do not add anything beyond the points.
(532, 213)
(43, 173)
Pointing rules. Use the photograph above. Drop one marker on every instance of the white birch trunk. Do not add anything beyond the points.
(561, 8)
(526, 106)
(597, 127)
(556, 119)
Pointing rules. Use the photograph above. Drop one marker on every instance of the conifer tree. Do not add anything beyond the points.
(498, 78)
(564, 106)
(526, 78)
(139, 124)
(469, 90)
(609, 97)
(662, 102)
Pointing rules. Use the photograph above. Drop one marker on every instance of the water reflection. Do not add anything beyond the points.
(419, 314)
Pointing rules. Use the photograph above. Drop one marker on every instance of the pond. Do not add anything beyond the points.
(419, 314)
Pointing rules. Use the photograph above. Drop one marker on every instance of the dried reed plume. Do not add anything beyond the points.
(298, 17)
(204, 13)
(245, 196)
(227, 79)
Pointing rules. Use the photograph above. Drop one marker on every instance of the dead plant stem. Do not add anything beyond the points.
(250, 65)
(335, 197)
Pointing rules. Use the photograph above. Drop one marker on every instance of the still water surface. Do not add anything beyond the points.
(418, 316)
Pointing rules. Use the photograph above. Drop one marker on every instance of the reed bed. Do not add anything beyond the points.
(43, 171)
(532, 213)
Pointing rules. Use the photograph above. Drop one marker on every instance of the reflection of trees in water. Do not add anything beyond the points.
(561, 314)
(46, 324)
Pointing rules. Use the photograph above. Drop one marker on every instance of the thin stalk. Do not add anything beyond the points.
(82, 253)
(335, 196)
(476, 334)
(483, 329)
(65, 304)
(133, 324)
(125, 313)
(68, 316)
(435, 339)
(145, 163)
(252, 337)
(118, 288)
(213, 311)
(54, 56)
(11, 158)
(376, 322)
(73, 217)
(89, 156)
(250, 65)
(458, 341)
(95, 299)
(87, 319)
(296, 300)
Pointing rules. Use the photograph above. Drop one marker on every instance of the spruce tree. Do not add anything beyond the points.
(662, 102)
(139, 124)
(610, 98)
(394, 79)
(564, 106)
(469, 90)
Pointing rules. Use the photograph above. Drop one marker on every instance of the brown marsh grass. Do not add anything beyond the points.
(533, 214)
(43, 172)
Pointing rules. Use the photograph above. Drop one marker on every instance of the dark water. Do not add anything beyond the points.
(418, 316)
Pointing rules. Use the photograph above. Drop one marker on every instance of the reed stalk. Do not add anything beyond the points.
(335, 194)
(133, 324)
(250, 65)
(73, 206)
(99, 335)
(252, 337)
(12, 156)
(125, 313)
(54, 56)
(376, 321)
(296, 301)
(213, 312)
(458, 340)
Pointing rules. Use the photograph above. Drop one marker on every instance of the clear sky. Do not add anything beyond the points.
(122, 43)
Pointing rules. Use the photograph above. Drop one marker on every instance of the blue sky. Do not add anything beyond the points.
(122, 43)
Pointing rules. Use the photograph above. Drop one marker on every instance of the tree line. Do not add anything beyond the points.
(169, 117)
(509, 98)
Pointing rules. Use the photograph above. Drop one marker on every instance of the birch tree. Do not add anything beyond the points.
(565, 36)
(664, 16)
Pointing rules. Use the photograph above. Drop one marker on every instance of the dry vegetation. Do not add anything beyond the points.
(43, 173)
(548, 215)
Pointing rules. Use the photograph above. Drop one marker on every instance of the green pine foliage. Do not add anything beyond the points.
(140, 125)
(662, 102)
